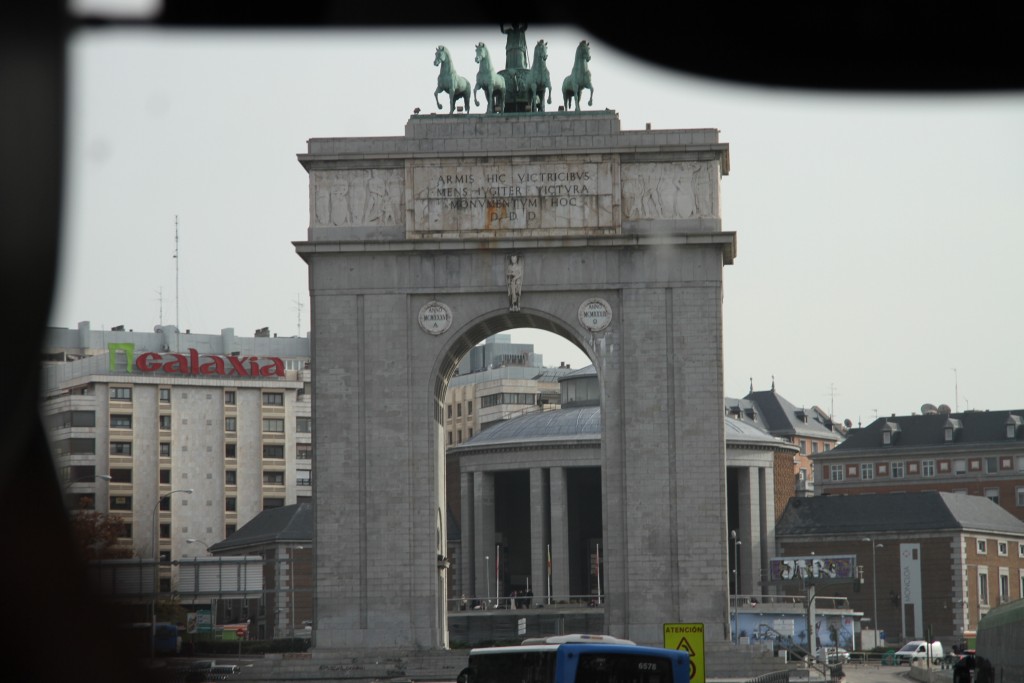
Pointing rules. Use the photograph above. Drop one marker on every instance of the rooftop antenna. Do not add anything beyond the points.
(956, 390)
(177, 298)
(832, 399)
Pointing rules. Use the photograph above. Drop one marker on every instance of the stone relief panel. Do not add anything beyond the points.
(659, 191)
(370, 197)
(522, 197)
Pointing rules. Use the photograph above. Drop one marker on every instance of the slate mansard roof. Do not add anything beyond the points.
(779, 417)
(977, 428)
(875, 513)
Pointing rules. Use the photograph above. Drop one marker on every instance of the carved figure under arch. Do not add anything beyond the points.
(449, 81)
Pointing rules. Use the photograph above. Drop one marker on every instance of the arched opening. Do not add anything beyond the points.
(523, 475)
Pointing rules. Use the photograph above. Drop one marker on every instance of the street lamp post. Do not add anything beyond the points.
(156, 566)
(736, 543)
(874, 587)
(487, 578)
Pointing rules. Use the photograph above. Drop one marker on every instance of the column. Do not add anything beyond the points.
(539, 532)
(483, 533)
(466, 578)
(559, 534)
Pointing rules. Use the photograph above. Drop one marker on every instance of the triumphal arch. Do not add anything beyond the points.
(422, 245)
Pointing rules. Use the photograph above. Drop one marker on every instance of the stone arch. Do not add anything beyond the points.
(397, 299)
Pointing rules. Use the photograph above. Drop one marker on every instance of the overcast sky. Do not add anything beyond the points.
(880, 237)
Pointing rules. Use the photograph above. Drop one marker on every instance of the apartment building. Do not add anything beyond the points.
(979, 453)
(185, 437)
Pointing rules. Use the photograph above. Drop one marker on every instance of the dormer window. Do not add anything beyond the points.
(802, 415)
(890, 432)
(952, 427)
(1013, 424)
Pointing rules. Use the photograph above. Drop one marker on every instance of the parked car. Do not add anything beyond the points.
(832, 655)
(920, 650)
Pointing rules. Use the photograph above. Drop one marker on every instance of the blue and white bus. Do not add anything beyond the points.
(578, 658)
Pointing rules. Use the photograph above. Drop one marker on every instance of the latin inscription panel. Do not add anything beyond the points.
(572, 195)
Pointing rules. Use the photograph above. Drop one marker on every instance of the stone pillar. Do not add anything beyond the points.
(767, 540)
(749, 481)
(540, 534)
(483, 533)
(467, 576)
(559, 534)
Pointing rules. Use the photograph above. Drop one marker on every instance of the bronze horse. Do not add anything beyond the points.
(579, 79)
(449, 81)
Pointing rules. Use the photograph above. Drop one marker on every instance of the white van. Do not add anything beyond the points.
(919, 650)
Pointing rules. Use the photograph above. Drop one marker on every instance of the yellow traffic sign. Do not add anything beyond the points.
(688, 637)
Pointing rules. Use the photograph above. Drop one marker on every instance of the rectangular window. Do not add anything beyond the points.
(303, 425)
(165, 394)
(165, 530)
(803, 446)
(230, 424)
(230, 450)
(273, 398)
(459, 435)
(960, 466)
(165, 476)
(126, 530)
(982, 546)
(927, 468)
(304, 451)
(982, 587)
(229, 398)
(120, 421)
(458, 410)
(120, 502)
(449, 438)
(993, 495)
(896, 470)
(303, 478)
(449, 411)
(1020, 496)
(469, 407)
(867, 471)
(230, 504)
(120, 393)
(165, 503)
(274, 425)
(120, 475)
(471, 432)
(231, 477)
(120, 447)
(230, 529)
(273, 450)
(165, 422)
(274, 478)
(835, 472)
(1004, 588)
(991, 465)
(165, 449)
(814, 446)
(1003, 548)
(1020, 463)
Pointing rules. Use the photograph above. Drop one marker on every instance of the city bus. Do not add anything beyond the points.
(578, 658)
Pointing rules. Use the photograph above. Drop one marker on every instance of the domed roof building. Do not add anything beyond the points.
(526, 494)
